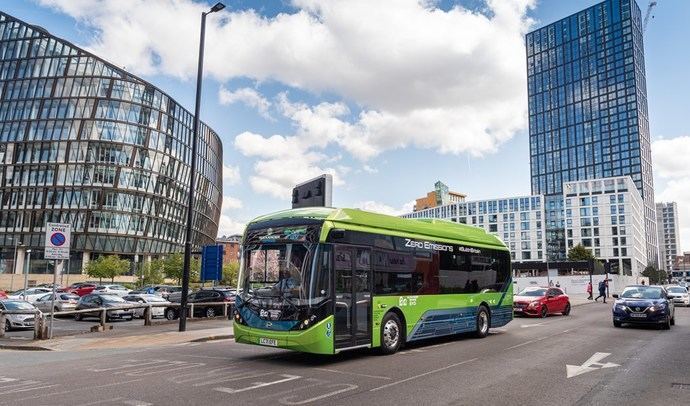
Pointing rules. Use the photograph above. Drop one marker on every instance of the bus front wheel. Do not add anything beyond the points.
(483, 322)
(391, 334)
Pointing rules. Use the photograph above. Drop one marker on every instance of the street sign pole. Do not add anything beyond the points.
(52, 299)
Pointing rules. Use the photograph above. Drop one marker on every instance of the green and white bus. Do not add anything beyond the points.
(325, 280)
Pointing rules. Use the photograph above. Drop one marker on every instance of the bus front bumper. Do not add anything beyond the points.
(317, 339)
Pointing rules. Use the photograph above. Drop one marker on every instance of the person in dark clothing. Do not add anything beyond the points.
(602, 291)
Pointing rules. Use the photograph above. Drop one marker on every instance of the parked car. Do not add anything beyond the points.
(145, 298)
(30, 295)
(679, 294)
(3, 294)
(83, 289)
(117, 290)
(17, 321)
(205, 296)
(643, 304)
(541, 302)
(165, 291)
(96, 300)
(63, 302)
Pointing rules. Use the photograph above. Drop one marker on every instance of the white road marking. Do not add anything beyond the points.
(424, 374)
(286, 378)
(592, 364)
(4, 379)
(136, 403)
(347, 388)
(352, 373)
(100, 402)
(520, 345)
(534, 325)
(313, 382)
(77, 390)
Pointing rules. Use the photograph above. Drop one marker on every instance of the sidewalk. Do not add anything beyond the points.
(157, 335)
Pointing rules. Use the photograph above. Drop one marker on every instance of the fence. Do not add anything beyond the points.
(41, 326)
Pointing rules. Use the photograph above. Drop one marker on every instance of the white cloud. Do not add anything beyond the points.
(247, 96)
(382, 208)
(672, 166)
(402, 73)
(229, 226)
(231, 174)
(230, 203)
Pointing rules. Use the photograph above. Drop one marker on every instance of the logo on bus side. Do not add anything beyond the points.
(407, 301)
(427, 245)
(439, 247)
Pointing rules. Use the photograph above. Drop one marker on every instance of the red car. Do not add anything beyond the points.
(83, 289)
(541, 302)
(3, 294)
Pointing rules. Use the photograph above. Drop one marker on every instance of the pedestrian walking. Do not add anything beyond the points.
(602, 291)
(589, 290)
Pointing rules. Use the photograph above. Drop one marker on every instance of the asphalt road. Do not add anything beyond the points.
(523, 363)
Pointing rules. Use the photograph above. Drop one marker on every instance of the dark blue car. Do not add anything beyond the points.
(642, 304)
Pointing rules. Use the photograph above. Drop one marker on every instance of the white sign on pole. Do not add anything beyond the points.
(58, 238)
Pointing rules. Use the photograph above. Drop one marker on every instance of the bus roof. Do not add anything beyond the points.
(360, 220)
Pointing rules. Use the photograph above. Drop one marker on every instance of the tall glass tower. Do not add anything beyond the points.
(588, 109)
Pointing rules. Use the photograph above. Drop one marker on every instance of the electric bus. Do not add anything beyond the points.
(324, 280)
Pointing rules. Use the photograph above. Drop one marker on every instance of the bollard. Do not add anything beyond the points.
(191, 311)
(2, 324)
(147, 315)
(38, 326)
(225, 309)
(44, 328)
(104, 318)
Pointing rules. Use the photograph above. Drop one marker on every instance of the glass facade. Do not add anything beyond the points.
(588, 109)
(86, 143)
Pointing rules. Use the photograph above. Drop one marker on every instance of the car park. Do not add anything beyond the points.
(679, 294)
(643, 304)
(63, 302)
(147, 299)
(117, 290)
(18, 321)
(541, 301)
(83, 289)
(199, 298)
(96, 301)
(30, 295)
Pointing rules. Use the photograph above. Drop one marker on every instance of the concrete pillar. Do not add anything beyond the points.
(19, 264)
(85, 258)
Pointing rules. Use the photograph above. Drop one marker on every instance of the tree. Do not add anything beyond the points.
(656, 276)
(173, 267)
(150, 273)
(107, 266)
(231, 271)
(580, 253)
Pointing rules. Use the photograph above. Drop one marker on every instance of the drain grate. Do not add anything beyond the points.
(679, 385)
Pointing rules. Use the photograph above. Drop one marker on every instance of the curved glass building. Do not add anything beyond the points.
(84, 142)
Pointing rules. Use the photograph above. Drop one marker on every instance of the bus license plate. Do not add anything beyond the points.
(268, 341)
(638, 315)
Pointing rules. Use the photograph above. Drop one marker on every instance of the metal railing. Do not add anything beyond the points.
(41, 326)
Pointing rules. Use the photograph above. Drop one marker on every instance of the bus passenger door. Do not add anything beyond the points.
(352, 296)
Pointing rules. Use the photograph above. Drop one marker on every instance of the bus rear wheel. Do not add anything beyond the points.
(483, 322)
(391, 334)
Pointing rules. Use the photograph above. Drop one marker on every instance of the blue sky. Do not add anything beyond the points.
(322, 87)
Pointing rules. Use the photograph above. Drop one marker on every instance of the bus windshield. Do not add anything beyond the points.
(280, 273)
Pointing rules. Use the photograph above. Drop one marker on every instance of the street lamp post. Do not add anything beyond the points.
(190, 199)
(17, 243)
(27, 268)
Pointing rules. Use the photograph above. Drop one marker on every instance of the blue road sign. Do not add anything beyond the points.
(212, 263)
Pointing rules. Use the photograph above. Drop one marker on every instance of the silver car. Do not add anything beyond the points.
(63, 302)
(143, 298)
(679, 295)
(15, 321)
